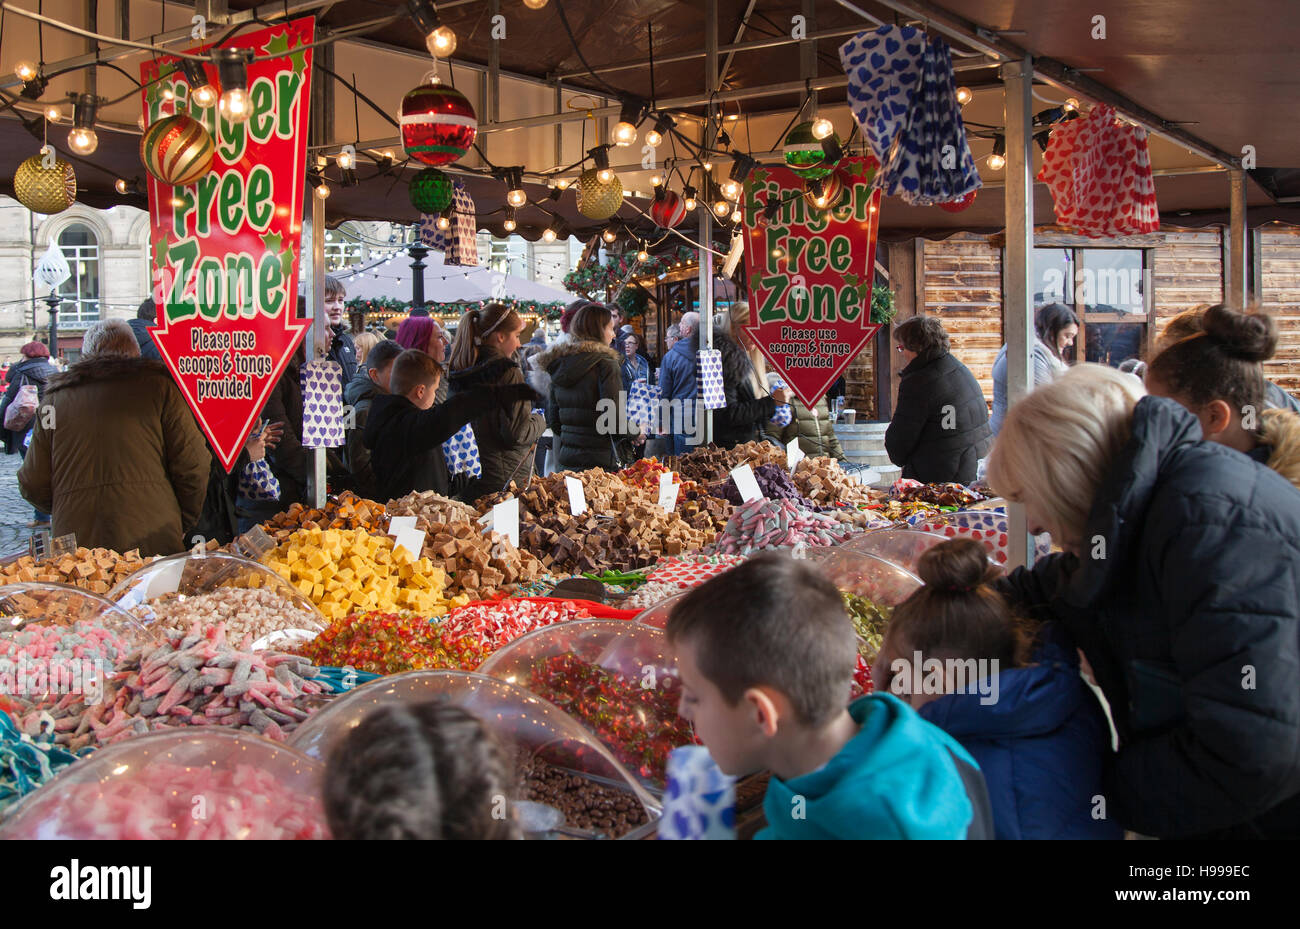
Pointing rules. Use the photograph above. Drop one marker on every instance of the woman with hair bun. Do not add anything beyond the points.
(1015, 702)
(1217, 374)
(1179, 581)
(483, 355)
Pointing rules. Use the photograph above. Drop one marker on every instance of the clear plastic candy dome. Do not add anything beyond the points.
(903, 547)
(551, 746)
(249, 596)
(657, 615)
(191, 784)
(880, 581)
(616, 678)
(44, 604)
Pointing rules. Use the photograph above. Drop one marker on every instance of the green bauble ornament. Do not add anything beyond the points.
(804, 155)
(431, 191)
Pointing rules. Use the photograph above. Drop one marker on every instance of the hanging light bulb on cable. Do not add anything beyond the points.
(629, 119)
(509, 224)
(997, 160)
(964, 95)
(232, 67)
(440, 40)
(82, 138)
(822, 128)
(202, 93)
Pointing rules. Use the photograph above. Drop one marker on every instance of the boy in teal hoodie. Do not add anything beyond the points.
(765, 653)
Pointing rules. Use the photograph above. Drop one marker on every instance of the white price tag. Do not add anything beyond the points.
(397, 523)
(505, 520)
(412, 540)
(793, 454)
(746, 483)
(668, 492)
(577, 496)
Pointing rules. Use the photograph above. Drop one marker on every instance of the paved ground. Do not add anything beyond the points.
(15, 512)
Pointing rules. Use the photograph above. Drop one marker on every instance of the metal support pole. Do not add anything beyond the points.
(1018, 79)
(418, 253)
(706, 215)
(1235, 294)
(54, 300)
(319, 333)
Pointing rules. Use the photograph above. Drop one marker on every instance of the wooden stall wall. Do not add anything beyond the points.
(1187, 270)
(1280, 295)
(963, 286)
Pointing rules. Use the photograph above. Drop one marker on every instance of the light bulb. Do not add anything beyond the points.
(323, 191)
(346, 161)
(509, 225)
(441, 42)
(708, 166)
(25, 70)
(624, 133)
(517, 197)
(168, 93)
(548, 235)
(964, 95)
(643, 255)
(654, 138)
(690, 204)
(562, 184)
(656, 180)
(731, 189)
(1071, 105)
(822, 128)
(997, 162)
(721, 207)
(736, 217)
(83, 141)
(204, 96)
(53, 115)
(604, 175)
(120, 185)
(609, 235)
(534, 4)
(235, 105)
(444, 223)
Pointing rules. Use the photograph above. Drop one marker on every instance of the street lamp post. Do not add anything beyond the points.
(418, 253)
(54, 300)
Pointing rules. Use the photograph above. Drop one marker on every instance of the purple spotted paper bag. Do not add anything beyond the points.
(461, 453)
(322, 404)
(699, 800)
(711, 390)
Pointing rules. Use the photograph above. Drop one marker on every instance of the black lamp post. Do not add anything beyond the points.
(418, 253)
(54, 301)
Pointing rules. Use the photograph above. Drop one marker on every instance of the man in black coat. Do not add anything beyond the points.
(940, 428)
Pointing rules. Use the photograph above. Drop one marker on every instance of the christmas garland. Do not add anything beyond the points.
(393, 306)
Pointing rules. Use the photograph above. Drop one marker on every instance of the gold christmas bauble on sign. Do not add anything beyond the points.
(45, 189)
(599, 199)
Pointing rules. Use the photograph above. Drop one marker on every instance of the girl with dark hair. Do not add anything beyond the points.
(940, 428)
(744, 382)
(483, 355)
(1217, 374)
(430, 771)
(585, 406)
(1056, 327)
(1041, 740)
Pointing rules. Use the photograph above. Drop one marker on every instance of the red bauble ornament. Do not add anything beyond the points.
(961, 203)
(668, 211)
(438, 124)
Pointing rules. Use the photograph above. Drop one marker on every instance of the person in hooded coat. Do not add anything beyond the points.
(371, 381)
(121, 462)
(1179, 581)
(34, 369)
(584, 411)
(145, 317)
(482, 355)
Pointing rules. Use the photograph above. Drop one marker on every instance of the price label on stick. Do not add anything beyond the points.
(667, 492)
(411, 539)
(746, 483)
(397, 523)
(793, 454)
(577, 496)
(505, 520)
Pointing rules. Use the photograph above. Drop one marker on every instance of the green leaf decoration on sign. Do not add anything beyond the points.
(298, 58)
(273, 242)
(160, 255)
(852, 280)
(277, 45)
(761, 175)
(755, 280)
(286, 261)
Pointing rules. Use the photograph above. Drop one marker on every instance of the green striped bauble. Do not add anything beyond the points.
(804, 155)
(431, 191)
(177, 150)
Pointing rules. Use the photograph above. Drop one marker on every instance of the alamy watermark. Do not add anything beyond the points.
(936, 677)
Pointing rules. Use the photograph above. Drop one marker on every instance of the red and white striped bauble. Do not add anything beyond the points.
(177, 150)
(668, 211)
(438, 124)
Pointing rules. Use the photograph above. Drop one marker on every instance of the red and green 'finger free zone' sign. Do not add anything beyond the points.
(226, 246)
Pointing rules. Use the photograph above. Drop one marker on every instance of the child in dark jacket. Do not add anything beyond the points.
(765, 653)
(405, 431)
(1019, 706)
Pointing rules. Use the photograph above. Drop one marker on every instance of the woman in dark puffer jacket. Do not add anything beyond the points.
(1180, 584)
(585, 409)
(940, 428)
(744, 382)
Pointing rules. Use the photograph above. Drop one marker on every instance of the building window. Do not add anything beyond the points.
(343, 247)
(1107, 289)
(80, 292)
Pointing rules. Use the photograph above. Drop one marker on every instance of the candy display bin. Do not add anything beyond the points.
(869, 576)
(549, 743)
(616, 678)
(904, 547)
(188, 784)
(657, 615)
(189, 575)
(38, 603)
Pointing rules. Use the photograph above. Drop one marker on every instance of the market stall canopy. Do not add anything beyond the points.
(444, 283)
(1167, 58)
